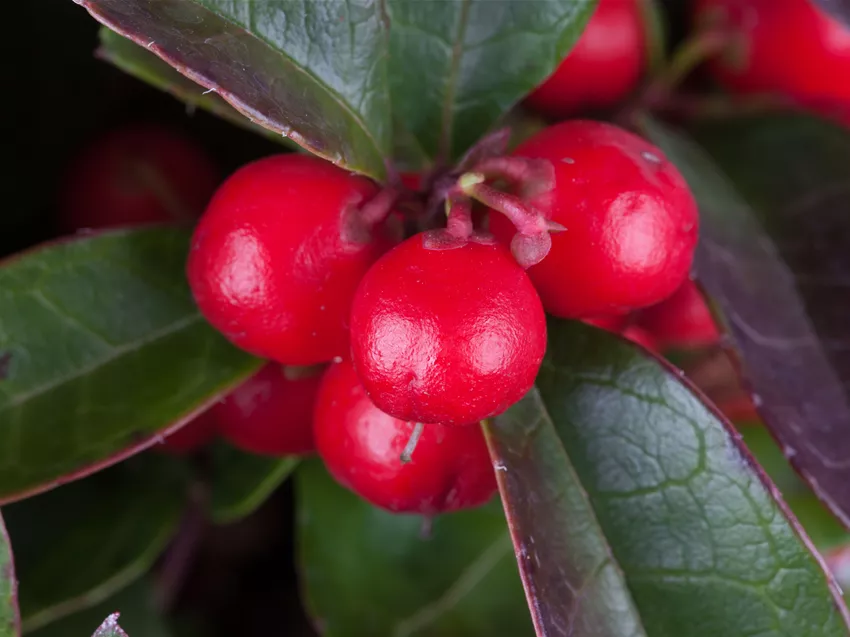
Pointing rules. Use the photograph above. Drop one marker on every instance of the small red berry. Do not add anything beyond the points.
(612, 323)
(192, 436)
(637, 334)
(791, 47)
(271, 413)
(683, 320)
(277, 256)
(361, 446)
(631, 221)
(605, 65)
(446, 332)
(143, 174)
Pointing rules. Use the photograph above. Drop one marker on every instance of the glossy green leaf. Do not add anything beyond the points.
(312, 71)
(774, 254)
(103, 350)
(456, 67)
(9, 617)
(635, 511)
(369, 572)
(139, 616)
(77, 545)
(139, 62)
(241, 481)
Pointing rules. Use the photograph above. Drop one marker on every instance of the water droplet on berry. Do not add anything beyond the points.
(568, 160)
(651, 157)
(337, 359)
(757, 401)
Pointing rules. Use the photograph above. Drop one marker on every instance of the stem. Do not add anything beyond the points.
(181, 555)
(459, 212)
(685, 59)
(527, 220)
(379, 207)
(410, 447)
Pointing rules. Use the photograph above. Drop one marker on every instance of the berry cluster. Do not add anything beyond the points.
(303, 263)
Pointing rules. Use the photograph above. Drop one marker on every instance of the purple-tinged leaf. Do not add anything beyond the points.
(774, 195)
(636, 511)
(108, 353)
(144, 65)
(839, 9)
(110, 627)
(312, 71)
(10, 621)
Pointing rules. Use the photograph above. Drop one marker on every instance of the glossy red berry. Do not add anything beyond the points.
(277, 256)
(791, 47)
(361, 446)
(631, 221)
(446, 332)
(192, 436)
(143, 174)
(683, 320)
(272, 412)
(605, 65)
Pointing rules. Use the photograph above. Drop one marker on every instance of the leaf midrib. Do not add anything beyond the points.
(447, 128)
(113, 355)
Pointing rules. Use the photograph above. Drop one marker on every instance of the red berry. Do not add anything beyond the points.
(192, 436)
(792, 47)
(683, 320)
(612, 323)
(277, 256)
(270, 413)
(637, 334)
(136, 175)
(631, 221)
(446, 333)
(361, 446)
(604, 66)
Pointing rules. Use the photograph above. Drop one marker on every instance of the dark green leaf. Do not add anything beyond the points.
(110, 628)
(241, 481)
(312, 71)
(774, 254)
(139, 616)
(103, 349)
(636, 511)
(142, 64)
(369, 572)
(456, 67)
(10, 624)
(77, 545)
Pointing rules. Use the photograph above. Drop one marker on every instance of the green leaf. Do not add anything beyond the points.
(369, 572)
(242, 481)
(455, 68)
(110, 628)
(10, 622)
(774, 255)
(103, 350)
(636, 512)
(312, 71)
(139, 615)
(139, 62)
(77, 545)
